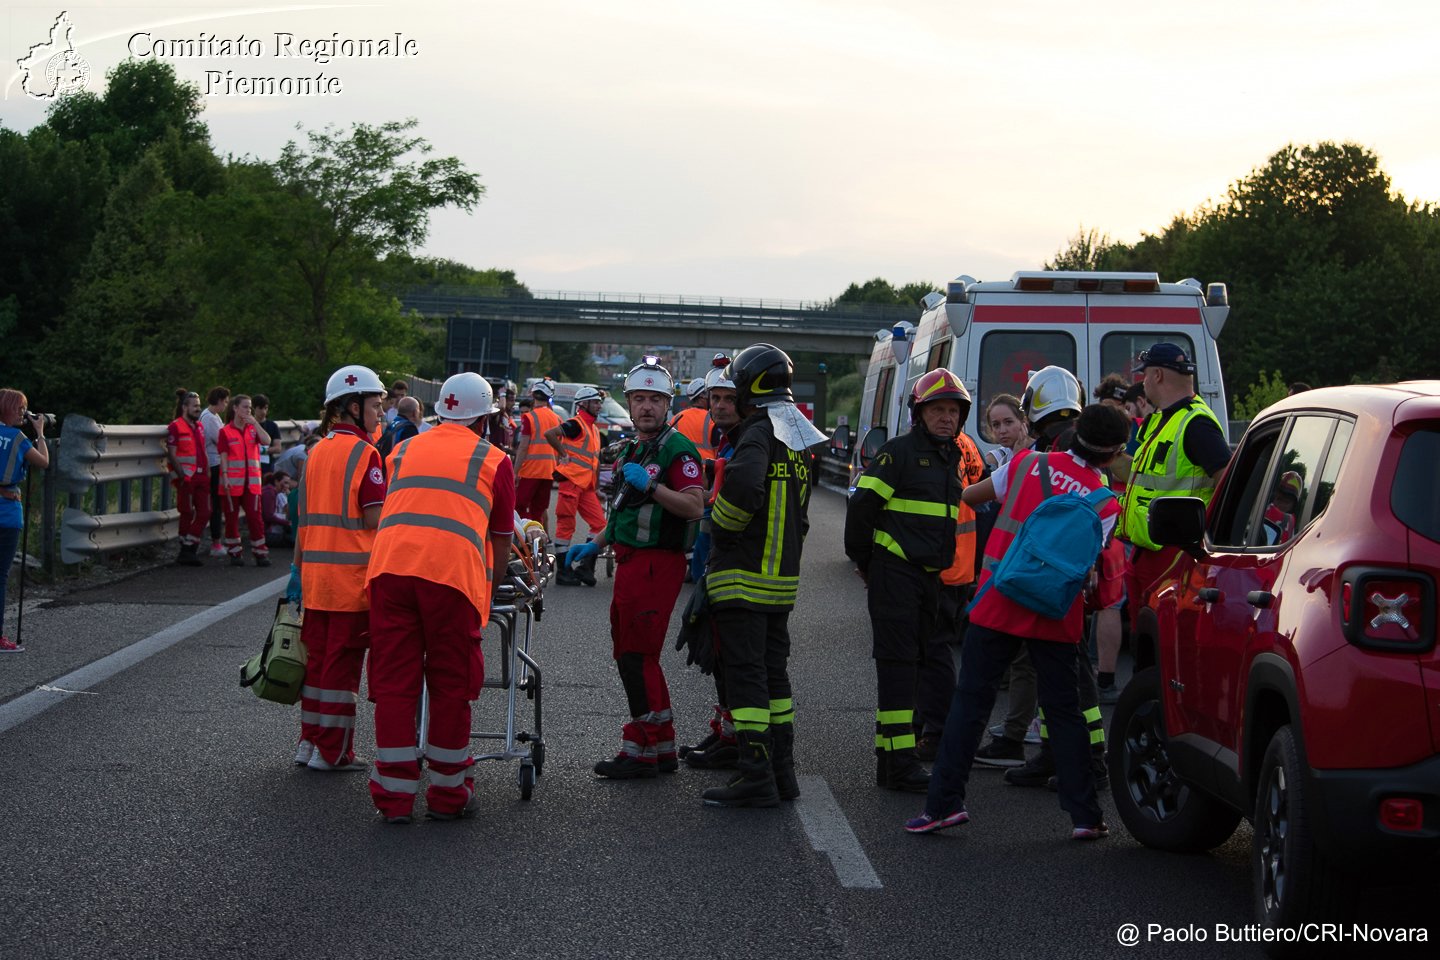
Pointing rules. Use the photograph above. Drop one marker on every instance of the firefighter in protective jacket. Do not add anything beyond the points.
(759, 524)
(900, 531)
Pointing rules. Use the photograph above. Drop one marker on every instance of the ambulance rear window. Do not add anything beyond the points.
(1007, 358)
(1118, 351)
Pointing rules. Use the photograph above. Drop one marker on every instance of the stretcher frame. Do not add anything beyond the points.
(516, 606)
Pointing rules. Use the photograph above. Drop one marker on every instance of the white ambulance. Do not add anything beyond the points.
(993, 334)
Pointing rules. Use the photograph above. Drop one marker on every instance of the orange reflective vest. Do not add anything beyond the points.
(695, 424)
(971, 469)
(187, 451)
(334, 544)
(436, 521)
(239, 461)
(583, 467)
(539, 462)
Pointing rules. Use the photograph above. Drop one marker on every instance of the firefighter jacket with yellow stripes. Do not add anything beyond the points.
(759, 521)
(907, 503)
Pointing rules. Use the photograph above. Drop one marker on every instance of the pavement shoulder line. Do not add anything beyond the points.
(830, 834)
(37, 701)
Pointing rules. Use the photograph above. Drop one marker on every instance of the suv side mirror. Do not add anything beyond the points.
(840, 442)
(1178, 522)
(874, 439)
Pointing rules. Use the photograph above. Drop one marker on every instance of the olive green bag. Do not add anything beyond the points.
(277, 672)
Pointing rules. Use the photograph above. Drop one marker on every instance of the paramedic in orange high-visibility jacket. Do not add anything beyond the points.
(339, 507)
(999, 625)
(444, 534)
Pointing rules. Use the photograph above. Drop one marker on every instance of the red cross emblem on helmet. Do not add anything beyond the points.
(451, 402)
(351, 380)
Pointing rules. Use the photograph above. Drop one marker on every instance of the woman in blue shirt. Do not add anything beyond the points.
(16, 453)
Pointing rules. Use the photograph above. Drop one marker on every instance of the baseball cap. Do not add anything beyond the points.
(1167, 355)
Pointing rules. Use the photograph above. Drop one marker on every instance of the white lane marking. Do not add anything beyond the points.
(37, 701)
(830, 834)
(49, 689)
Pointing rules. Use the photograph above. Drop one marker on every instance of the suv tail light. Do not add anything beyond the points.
(1387, 609)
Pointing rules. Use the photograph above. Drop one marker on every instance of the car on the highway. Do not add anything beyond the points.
(1286, 666)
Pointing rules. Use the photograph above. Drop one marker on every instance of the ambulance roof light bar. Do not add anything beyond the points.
(1077, 281)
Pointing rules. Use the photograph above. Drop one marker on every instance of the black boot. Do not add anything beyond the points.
(189, 555)
(1036, 771)
(755, 786)
(906, 773)
(564, 576)
(782, 761)
(585, 571)
(714, 753)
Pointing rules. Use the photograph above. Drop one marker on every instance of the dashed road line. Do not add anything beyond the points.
(830, 834)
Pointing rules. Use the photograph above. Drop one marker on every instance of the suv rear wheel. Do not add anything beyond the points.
(1294, 883)
(1159, 808)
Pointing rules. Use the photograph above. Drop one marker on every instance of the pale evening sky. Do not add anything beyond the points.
(785, 148)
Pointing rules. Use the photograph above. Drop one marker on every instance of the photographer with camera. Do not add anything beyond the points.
(661, 494)
(22, 445)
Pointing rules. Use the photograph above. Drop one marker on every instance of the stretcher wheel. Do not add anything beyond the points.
(527, 780)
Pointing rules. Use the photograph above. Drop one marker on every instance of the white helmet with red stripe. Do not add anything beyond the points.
(465, 398)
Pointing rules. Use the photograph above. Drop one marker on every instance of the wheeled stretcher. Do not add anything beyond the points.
(516, 606)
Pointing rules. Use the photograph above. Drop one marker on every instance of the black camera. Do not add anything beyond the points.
(28, 425)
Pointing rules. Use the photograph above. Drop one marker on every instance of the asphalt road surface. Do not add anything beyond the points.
(152, 810)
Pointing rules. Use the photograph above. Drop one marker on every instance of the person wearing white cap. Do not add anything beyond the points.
(694, 421)
(446, 527)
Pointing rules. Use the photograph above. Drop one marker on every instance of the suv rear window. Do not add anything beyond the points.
(1413, 496)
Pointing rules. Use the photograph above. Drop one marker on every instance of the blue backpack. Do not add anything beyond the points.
(1048, 563)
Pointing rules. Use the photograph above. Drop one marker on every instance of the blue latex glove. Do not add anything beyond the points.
(638, 477)
(292, 589)
(583, 552)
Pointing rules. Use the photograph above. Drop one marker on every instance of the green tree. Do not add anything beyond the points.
(1262, 393)
(357, 197)
(565, 361)
(1084, 251)
(143, 102)
(1332, 275)
(881, 291)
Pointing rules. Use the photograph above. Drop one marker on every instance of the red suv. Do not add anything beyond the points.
(1286, 668)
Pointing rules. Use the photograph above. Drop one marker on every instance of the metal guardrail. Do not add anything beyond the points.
(120, 471)
(834, 471)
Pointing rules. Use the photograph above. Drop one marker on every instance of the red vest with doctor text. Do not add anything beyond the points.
(1023, 495)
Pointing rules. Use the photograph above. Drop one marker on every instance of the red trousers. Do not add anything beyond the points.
(428, 632)
(532, 497)
(1142, 569)
(573, 500)
(250, 502)
(647, 583)
(335, 642)
(192, 499)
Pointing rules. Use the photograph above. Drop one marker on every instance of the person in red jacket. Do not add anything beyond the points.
(240, 443)
(999, 626)
(185, 456)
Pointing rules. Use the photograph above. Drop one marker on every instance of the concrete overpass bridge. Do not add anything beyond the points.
(488, 328)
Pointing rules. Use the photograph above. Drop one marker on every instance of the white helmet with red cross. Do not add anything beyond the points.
(352, 379)
(465, 398)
